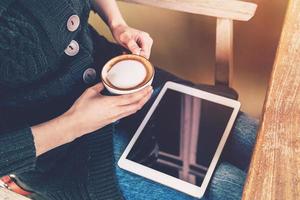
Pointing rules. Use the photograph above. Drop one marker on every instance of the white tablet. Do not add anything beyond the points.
(191, 127)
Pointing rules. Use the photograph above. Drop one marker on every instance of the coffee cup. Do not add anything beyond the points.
(127, 74)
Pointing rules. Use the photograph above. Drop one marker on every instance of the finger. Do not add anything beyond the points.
(145, 43)
(145, 54)
(136, 106)
(121, 116)
(133, 108)
(133, 47)
(95, 89)
(98, 87)
(133, 98)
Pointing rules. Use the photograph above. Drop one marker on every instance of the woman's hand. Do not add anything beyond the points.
(138, 42)
(89, 113)
(93, 111)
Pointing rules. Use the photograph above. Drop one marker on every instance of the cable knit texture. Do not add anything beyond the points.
(20, 48)
(38, 81)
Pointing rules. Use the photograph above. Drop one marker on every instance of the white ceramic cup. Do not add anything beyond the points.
(144, 76)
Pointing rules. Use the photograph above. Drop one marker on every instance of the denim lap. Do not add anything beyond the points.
(240, 143)
(226, 183)
(135, 187)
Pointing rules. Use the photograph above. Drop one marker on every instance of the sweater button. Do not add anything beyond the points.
(89, 75)
(72, 49)
(73, 23)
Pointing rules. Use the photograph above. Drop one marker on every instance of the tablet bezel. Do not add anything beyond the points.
(165, 179)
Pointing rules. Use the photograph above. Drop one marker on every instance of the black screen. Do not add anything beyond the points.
(181, 137)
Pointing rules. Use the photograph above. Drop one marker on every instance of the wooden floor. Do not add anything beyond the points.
(8, 195)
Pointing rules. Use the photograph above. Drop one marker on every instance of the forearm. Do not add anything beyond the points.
(54, 133)
(109, 12)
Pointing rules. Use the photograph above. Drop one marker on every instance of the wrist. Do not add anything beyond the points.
(115, 23)
(53, 133)
(73, 126)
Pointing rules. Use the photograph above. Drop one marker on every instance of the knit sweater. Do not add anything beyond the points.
(38, 82)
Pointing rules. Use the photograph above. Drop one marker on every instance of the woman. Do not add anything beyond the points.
(56, 131)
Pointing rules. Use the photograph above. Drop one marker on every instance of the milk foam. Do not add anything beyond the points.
(127, 74)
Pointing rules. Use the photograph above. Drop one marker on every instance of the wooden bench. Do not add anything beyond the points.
(225, 13)
(275, 167)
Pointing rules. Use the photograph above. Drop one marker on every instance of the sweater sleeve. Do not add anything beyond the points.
(17, 151)
(20, 61)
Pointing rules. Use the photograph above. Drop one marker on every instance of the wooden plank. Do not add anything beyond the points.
(275, 166)
(233, 9)
(224, 52)
(8, 195)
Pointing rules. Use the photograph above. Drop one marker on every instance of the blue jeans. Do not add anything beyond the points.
(228, 179)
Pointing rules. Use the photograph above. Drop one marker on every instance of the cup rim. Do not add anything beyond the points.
(135, 57)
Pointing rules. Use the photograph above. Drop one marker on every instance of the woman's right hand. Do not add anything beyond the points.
(93, 111)
(90, 112)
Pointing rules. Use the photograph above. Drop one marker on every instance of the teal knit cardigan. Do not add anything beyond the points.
(38, 81)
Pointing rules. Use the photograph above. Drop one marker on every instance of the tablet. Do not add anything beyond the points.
(191, 127)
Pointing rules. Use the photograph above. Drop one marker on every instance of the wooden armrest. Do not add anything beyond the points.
(274, 172)
(229, 9)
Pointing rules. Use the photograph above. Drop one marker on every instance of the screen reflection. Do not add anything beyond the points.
(186, 131)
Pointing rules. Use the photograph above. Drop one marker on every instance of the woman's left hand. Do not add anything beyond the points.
(138, 42)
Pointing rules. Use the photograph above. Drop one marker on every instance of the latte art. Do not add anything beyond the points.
(127, 74)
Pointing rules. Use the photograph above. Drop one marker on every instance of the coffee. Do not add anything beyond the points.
(127, 73)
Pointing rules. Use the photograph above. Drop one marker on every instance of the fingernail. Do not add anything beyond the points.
(139, 52)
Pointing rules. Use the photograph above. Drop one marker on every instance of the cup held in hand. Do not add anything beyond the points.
(127, 74)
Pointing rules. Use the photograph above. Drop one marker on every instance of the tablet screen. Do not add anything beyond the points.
(188, 130)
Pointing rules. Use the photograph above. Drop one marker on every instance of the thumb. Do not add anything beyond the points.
(133, 47)
(97, 88)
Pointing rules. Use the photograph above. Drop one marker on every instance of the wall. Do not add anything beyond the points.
(185, 45)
